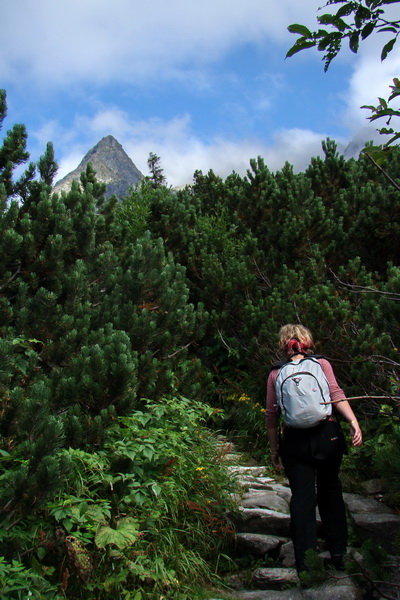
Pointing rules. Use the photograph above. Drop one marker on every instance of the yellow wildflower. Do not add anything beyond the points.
(244, 398)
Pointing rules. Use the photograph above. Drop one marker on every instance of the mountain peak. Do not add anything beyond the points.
(108, 141)
(112, 165)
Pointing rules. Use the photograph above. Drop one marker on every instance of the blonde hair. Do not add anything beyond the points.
(297, 332)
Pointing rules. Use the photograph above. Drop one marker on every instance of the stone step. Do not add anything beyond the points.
(384, 529)
(263, 531)
(274, 578)
(257, 544)
(262, 520)
(259, 471)
(254, 498)
(358, 504)
(254, 482)
(249, 481)
(343, 589)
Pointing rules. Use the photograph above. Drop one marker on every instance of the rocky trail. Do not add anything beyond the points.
(262, 533)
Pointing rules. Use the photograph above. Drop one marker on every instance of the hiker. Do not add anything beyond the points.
(311, 444)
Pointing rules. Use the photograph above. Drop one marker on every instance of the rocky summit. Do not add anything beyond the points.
(112, 165)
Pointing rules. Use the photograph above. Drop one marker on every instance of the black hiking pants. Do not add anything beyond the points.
(312, 459)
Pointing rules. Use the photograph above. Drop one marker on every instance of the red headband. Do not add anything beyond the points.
(295, 345)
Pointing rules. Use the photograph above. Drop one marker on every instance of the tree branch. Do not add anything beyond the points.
(11, 278)
(392, 181)
(223, 341)
(261, 274)
(180, 350)
(360, 289)
(361, 398)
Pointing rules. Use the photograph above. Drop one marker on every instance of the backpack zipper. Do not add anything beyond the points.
(300, 373)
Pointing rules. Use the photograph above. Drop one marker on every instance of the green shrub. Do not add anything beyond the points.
(387, 463)
(147, 513)
(19, 583)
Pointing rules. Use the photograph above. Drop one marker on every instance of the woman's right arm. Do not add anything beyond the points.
(341, 404)
(271, 420)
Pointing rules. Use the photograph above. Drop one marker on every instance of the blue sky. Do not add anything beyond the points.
(205, 85)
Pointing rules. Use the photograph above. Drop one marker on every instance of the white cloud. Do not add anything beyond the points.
(370, 80)
(181, 151)
(225, 156)
(59, 43)
(295, 146)
(79, 46)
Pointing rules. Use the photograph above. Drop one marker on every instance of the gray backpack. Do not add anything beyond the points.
(300, 387)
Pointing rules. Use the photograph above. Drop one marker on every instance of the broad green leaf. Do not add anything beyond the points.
(83, 508)
(383, 113)
(382, 102)
(41, 553)
(299, 46)
(148, 452)
(386, 131)
(367, 30)
(345, 10)
(369, 107)
(354, 41)
(387, 48)
(156, 489)
(127, 452)
(324, 43)
(395, 90)
(388, 29)
(68, 524)
(393, 139)
(123, 536)
(300, 29)
(334, 21)
(362, 15)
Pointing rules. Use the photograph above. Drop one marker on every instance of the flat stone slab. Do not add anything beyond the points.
(286, 554)
(375, 486)
(265, 499)
(253, 482)
(263, 520)
(258, 544)
(359, 504)
(231, 457)
(266, 480)
(345, 590)
(293, 594)
(254, 471)
(283, 491)
(274, 578)
(380, 527)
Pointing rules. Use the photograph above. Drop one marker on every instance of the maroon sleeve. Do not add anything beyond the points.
(335, 390)
(271, 412)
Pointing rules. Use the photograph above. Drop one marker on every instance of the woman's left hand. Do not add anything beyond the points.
(356, 434)
(276, 463)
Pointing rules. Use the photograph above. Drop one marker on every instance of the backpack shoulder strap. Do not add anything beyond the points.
(313, 357)
(279, 365)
